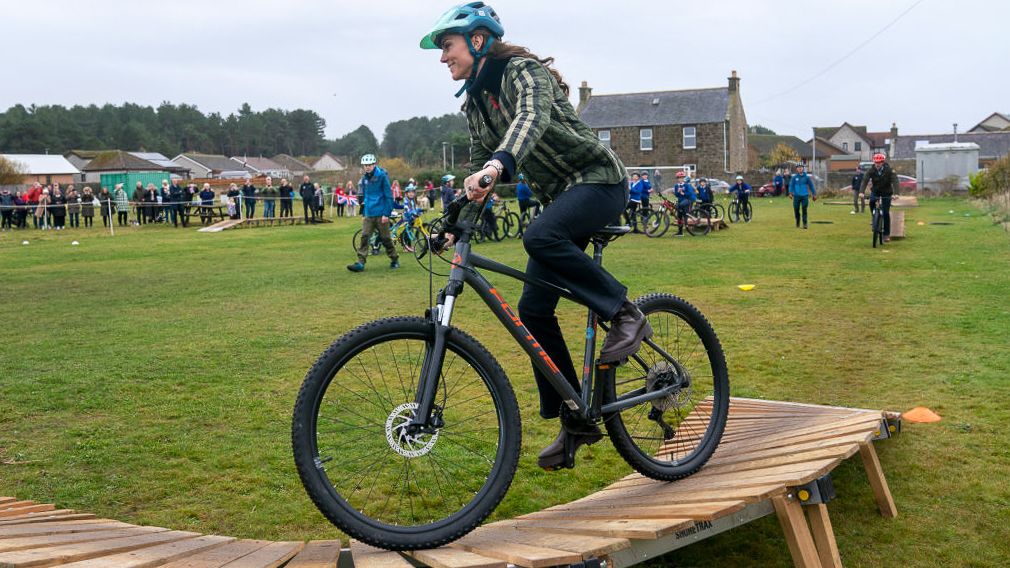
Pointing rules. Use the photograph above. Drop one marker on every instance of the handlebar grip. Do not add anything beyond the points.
(485, 181)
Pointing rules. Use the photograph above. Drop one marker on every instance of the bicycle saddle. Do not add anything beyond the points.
(611, 232)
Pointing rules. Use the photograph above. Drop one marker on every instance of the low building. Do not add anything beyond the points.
(945, 167)
(211, 166)
(991, 145)
(44, 168)
(699, 130)
(856, 140)
(827, 157)
(108, 162)
(297, 167)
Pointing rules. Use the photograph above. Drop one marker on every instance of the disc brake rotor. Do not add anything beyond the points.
(403, 443)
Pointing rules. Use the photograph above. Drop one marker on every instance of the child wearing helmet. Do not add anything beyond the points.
(448, 191)
(519, 117)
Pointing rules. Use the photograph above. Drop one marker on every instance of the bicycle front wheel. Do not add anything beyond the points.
(734, 212)
(367, 474)
(748, 212)
(699, 224)
(670, 437)
(656, 224)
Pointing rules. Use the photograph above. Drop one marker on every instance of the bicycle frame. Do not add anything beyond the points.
(586, 403)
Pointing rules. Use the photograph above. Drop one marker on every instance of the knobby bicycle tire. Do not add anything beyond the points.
(748, 212)
(700, 405)
(445, 482)
(734, 212)
(699, 224)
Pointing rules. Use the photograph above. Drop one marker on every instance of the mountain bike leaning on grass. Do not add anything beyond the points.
(406, 432)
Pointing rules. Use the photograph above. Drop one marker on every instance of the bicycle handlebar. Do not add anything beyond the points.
(452, 215)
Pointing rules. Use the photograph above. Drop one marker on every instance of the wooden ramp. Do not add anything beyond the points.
(259, 222)
(775, 457)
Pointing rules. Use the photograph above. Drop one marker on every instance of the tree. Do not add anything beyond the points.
(781, 154)
(11, 172)
(758, 129)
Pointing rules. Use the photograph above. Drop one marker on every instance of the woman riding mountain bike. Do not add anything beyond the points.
(396, 406)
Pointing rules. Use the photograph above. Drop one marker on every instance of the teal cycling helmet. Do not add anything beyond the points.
(465, 19)
(447, 178)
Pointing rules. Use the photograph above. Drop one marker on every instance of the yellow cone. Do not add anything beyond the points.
(746, 287)
(920, 414)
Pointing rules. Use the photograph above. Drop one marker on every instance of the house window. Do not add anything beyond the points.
(858, 146)
(845, 146)
(690, 137)
(691, 169)
(605, 137)
(645, 139)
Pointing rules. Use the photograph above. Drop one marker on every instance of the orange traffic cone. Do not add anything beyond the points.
(920, 414)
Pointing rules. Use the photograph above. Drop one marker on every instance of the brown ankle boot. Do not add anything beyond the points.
(627, 330)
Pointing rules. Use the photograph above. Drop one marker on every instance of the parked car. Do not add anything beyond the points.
(766, 190)
(718, 185)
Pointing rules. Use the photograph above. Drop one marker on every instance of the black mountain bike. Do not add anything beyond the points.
(738, 209)
(406, 431)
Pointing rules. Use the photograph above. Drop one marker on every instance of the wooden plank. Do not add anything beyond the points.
(673, 495)
(63, 514)
(794, 525)
(621, 528)
(317, 554)
(729, 457)
(18, 511)
(704, 478)
(528, 556)
(219, 556)
(695, 511)
(5, 500)
(21, 503)
(587, 546)
(270, 556)
(797, 405)
(366, 556)
(83, 551)
(155, 555)
(838, 452)
(53, 528)
(448, 557)
(27, 542)
(877, 481)
(824, 535)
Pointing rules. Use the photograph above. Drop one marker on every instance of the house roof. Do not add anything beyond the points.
(292, 164)
(118, 160)
(1004, 116)
(43, 164)
(827, 132)
(215, 162)
(158, 159)
(315, 164)
(765, 143)
(695, 106)
(259, 163)
(990, 144)
(84, 154)
(878, 139)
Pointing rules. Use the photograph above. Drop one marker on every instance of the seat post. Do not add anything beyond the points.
(598, 246)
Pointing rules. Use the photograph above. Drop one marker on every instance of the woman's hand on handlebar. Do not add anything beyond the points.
(475, 189)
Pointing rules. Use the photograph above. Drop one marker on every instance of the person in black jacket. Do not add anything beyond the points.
(884, 183)
(249, 198)
(150, 200)
(6, 209)
(307, 191)
(176, 198)
(858, 200)
(286, 193)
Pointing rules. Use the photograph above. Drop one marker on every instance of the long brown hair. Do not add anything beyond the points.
(503, 50)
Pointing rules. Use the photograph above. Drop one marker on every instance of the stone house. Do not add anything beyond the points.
(212, 166)
(328, 163)
(701, 130)
(293, 165)
(261, 166)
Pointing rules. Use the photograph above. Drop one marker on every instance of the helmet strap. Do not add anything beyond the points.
(477, 57)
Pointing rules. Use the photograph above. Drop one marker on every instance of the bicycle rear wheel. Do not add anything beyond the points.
(671, 437)
(699, 223)
(878, 228)
(748, 212)
(371, 478)
(513, 226)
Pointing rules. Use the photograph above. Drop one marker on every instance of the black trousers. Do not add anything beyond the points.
(556, 243)
(309, 211)
(885, 205)
(286, 209)
(6, 215)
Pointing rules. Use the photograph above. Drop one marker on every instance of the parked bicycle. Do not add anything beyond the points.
(697, 220)
(407, 230)
(738, 209)
(406, 432)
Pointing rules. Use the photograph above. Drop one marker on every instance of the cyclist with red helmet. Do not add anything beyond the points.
(520, 120)
(884, 181)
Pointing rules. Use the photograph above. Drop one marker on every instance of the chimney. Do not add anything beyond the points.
(894, 141)
(734, 82)
(585, 91)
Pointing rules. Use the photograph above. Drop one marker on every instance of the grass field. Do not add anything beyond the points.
(150, 377)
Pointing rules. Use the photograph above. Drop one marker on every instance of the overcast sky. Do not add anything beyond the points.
(358, 62)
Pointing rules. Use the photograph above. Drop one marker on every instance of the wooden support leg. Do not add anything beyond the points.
(794, 525)
(824, 535)
(877, 481)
